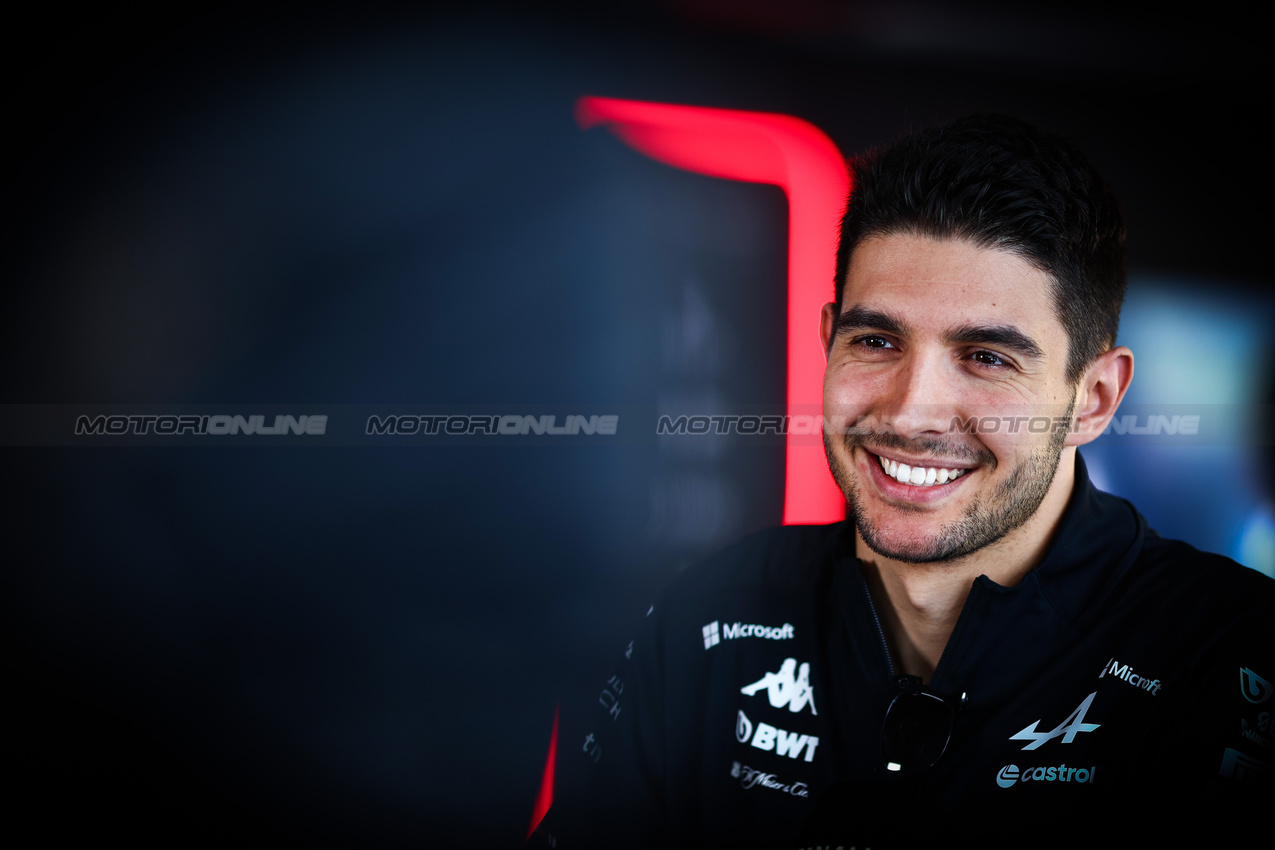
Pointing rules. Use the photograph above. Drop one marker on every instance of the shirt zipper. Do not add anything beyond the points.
(885, 647)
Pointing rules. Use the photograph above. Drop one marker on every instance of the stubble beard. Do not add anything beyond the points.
(1011, 504)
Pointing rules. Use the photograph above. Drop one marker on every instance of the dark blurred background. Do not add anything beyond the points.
(239, 205)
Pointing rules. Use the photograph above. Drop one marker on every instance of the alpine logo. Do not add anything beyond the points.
(1068, 729)
(782, 742)
(1010, 774)
(1125, 674)
(786, 689)
(1255, 689)
(715, 633)
(751, 777)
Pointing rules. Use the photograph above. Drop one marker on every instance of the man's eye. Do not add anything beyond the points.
(873, 342)
(987, 358)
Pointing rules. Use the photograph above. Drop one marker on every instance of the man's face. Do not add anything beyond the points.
(932, 333)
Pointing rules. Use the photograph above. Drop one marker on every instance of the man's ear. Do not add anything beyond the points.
(1101, 389)
(827, 324)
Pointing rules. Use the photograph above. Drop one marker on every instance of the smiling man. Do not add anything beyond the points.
(988, 647)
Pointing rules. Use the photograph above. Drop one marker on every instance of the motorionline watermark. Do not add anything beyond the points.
(308, 424)
(370, 425)
(301, 424)
(1175, 424)
(492, 424)
(217, 425)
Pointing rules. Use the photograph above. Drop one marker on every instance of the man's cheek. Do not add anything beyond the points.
(838, 425)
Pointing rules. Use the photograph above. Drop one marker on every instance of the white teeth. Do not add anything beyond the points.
(919, 476)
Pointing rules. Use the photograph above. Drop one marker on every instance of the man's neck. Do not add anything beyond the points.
(919, 604)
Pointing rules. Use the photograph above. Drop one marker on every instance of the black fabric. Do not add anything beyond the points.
(1121, 691)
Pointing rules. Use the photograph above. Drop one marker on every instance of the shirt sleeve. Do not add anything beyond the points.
(608, 788)
(1245, 757)
(1213, 756)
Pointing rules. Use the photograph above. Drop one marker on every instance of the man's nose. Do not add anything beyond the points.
(922, 398)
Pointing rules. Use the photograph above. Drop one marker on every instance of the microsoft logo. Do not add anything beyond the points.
(715, 633)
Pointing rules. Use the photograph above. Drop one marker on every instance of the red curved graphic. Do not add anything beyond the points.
(544, 799)
(760, 147)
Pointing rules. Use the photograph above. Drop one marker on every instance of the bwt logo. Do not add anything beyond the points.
(780, 741)
(1255, 689)
(1010, 774)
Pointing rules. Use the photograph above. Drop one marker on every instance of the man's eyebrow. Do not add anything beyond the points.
(1006, 337)
(866, 319)
(1002, 336)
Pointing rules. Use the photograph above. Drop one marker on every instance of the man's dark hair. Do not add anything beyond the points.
(999, 182)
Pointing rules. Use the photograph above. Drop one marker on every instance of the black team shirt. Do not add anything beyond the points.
(1123, 691)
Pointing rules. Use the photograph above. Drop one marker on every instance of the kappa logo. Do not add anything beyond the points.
(1255, 689)
(780, 741)
(1068, 729)
(715, 632)
(785, 688)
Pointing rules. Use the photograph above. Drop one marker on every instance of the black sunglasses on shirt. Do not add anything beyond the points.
(917, 727)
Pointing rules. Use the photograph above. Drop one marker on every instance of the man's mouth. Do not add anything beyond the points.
(919, 476)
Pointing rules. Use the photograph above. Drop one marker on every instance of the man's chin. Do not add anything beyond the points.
(913, 545)
(910, 551)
